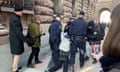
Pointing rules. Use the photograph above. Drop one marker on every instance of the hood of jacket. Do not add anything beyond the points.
(33, 21)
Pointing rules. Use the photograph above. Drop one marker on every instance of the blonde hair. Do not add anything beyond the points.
(111, 46)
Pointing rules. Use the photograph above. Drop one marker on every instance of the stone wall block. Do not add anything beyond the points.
(41, 10)
(47, 3)
(45, 19)
(67, 9)
(68, 4)
(66, 14)
(69, 0)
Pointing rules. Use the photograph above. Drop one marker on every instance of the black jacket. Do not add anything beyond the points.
(55, 31)
(78, 28)
(109, 63)
(90, 31)
(67, 27)
(98, 31)
(102, 28)
(16, 35)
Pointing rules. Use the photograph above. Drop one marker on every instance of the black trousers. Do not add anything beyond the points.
(80, 44)
(34, 53)
(59, 65)
(55, 50)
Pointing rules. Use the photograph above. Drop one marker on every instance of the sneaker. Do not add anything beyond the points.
(37, 62)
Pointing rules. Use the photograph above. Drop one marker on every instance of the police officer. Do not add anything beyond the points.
(78, 30)
(55, 38)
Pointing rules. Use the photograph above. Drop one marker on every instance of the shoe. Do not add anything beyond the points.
(86, 58)
(81, 65)
(46, 71)
(19, 68)
(94, 61)
(37, 62)
(72, 69)
(101, 71)
(16, 71)
(30, 66)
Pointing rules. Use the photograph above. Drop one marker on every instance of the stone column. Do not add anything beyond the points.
(78, 6)
(67, 10)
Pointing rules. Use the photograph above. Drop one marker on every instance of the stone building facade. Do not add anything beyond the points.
(102, 5)
(45, 9)
(6, 9)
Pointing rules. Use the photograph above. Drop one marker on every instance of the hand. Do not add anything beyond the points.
(95, 33)
(86, 38)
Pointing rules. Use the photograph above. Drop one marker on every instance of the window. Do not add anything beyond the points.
(26, 4)
(14, 3)
(58, 7)
(5, 2)
(82, 4)
(73, 7)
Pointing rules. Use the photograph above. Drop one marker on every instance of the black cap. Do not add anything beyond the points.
(17, 8)
(82, 13)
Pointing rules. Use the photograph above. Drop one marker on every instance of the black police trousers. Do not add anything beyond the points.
(59, 65)
(77, 43)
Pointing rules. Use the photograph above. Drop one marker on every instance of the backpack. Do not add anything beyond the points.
(29, 40)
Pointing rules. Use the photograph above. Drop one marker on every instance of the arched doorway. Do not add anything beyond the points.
(105, 17)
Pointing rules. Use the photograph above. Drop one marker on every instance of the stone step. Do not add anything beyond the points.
(4, 40)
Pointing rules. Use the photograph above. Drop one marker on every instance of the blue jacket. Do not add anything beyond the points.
(55, 30)
(78, 27)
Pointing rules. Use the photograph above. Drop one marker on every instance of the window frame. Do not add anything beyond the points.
(58, 7)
